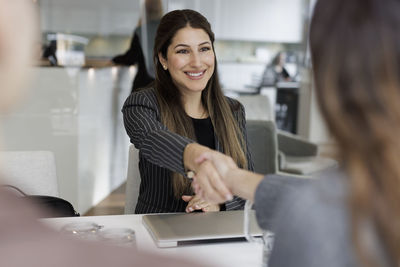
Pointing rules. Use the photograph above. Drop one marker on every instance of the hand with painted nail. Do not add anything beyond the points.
(197, 203)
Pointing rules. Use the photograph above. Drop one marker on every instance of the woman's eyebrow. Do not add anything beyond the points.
(185, 45)
(203, 43)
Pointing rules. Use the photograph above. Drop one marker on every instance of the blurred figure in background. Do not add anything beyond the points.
(278, 66)
(140, 52)
(49, 52)
(24, 240)
(349, 217)
(276, 71)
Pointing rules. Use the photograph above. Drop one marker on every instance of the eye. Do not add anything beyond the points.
(205, 49)
(182, 51)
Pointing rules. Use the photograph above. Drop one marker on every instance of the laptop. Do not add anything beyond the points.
(171, 230)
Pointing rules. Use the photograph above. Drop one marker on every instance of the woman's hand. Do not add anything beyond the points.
(206, 174)
(196, 203)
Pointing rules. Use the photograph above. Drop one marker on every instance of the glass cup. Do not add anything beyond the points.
(83, 230)
(267, 239)
(118, 236)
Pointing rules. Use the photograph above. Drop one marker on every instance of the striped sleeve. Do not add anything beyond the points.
(156, 143)
(237, 203)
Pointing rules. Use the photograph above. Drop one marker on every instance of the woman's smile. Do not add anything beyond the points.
(195, 75)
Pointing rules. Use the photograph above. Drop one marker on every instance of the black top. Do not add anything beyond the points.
(204, 131)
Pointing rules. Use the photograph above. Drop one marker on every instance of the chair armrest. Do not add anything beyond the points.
(293, 145)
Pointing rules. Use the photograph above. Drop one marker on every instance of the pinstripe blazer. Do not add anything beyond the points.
(161, 151)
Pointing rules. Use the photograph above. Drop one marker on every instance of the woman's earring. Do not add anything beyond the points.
(165, 67)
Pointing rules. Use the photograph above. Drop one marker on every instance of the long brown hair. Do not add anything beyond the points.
(355, 48)
(169, 97)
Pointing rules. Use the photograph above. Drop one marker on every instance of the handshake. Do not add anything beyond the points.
(213, 178)
(217, 177)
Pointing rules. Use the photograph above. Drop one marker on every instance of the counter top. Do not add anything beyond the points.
(89, 63)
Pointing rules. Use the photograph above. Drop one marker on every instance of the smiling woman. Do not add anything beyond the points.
(182, 114)
(190, 60)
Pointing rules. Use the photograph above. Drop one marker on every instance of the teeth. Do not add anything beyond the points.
(193, 74)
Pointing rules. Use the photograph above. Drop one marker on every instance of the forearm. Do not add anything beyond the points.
(156, 143)
(243, 183)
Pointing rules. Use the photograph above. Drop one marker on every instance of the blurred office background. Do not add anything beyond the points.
(74, 104)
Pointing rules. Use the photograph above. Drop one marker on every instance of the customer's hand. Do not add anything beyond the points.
(223, 164)
(197, 203)
(240, 182)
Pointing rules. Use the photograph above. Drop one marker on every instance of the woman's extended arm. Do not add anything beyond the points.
(159, 145)
(155, 142)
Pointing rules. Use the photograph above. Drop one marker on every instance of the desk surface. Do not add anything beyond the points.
(237, 253)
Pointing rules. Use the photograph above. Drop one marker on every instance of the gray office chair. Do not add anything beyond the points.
(300, 156)
(280, 152)
(132, 181)
(34, 172)
(296, 154)
(263, 145)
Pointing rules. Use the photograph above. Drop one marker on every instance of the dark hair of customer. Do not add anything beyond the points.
(356, 59)
(169, 96)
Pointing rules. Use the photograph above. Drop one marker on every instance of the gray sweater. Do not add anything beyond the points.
(310, 220)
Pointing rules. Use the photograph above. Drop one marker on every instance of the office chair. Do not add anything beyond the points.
(34, 172)
(275, 151)
(132, 181)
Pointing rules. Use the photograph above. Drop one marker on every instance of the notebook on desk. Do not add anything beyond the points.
(169, 230)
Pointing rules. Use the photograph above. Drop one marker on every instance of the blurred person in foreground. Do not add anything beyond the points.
(351, 216)
(24, 240)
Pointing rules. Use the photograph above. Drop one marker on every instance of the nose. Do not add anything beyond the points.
(195, 60)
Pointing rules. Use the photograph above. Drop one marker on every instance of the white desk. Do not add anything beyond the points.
(238, 253)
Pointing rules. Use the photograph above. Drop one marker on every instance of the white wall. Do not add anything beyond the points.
(252, 20)
(101, 17)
